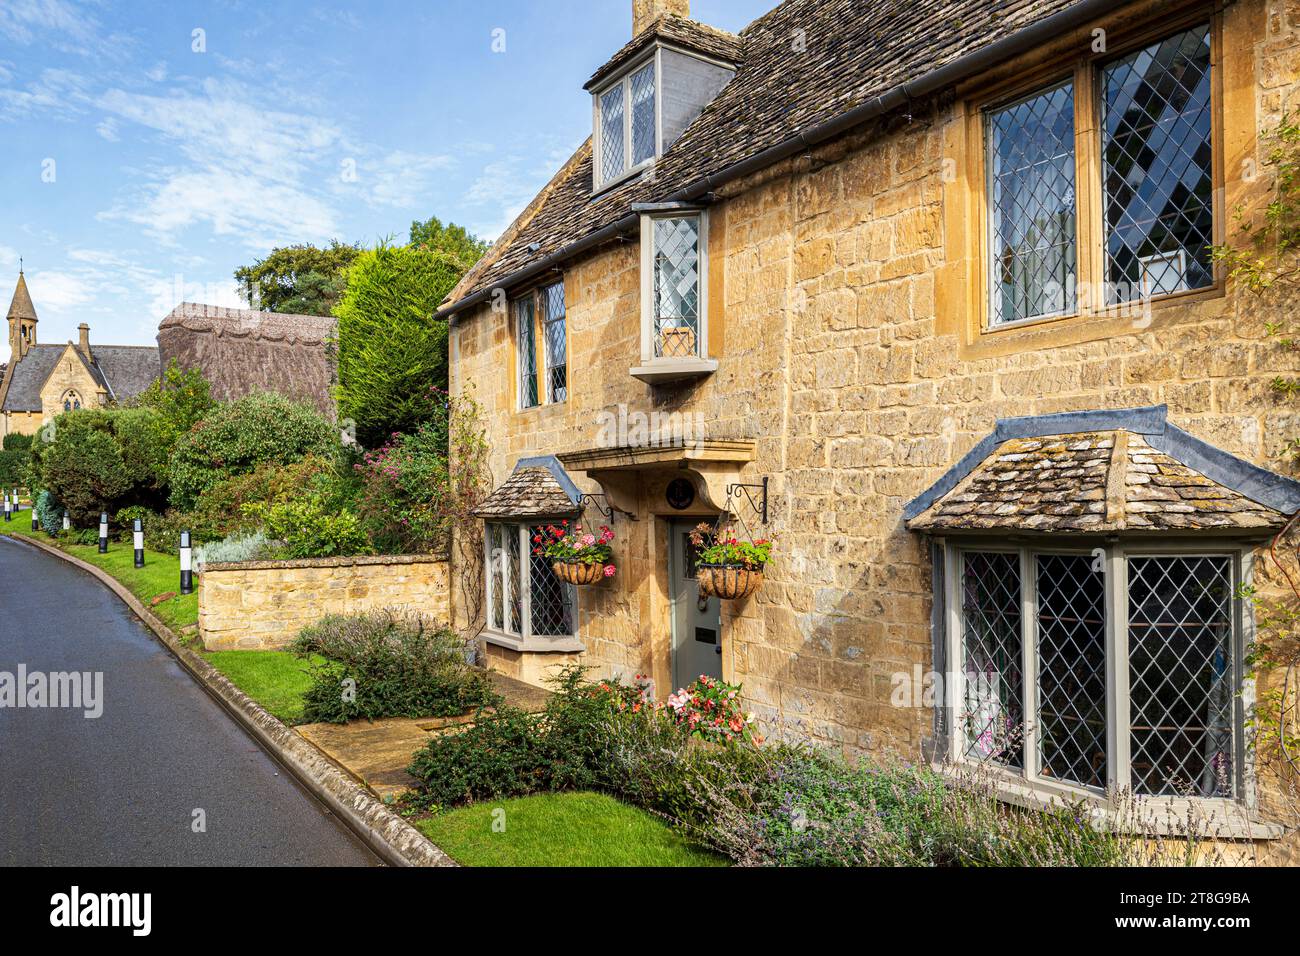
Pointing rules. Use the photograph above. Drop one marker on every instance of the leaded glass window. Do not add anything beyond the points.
(676, 319)
(1032, 221)
(1041, 661)
(1157, 168)
(643, 114)
(611, 134)
(524, 597)
(1071, 626)
(557, 380)
(526, 339)
(992, 713)
(1181, 675)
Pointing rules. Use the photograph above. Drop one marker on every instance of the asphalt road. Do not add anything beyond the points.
(123, 788)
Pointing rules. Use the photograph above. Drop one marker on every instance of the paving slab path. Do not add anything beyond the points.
(124, 788)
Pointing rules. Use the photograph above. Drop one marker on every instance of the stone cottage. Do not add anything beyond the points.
(923, 291)
(41, 381)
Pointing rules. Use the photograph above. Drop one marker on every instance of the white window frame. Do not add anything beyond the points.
(624, 80)
(492, 564)
(1026, 785)
(648, 220)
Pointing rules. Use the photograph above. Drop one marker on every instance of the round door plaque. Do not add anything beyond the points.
(680, 493)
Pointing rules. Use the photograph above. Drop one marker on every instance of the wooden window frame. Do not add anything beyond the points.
(964, 288)
(624, 80)
(540, 365)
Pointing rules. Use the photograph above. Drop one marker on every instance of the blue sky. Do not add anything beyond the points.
(136, 172)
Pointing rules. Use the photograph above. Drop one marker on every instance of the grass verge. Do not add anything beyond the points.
(561, 829)
(275, 679)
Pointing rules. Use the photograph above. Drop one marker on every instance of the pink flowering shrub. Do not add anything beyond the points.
(710, 709)
(562, 543)
(405, 489)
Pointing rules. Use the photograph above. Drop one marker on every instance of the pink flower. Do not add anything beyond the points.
(609, 570)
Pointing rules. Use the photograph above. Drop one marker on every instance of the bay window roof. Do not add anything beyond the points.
(1103, 472)
(538, 488)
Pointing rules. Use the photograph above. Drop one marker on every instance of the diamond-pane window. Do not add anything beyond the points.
(526, 337)
(611, 134)
(1032, 218)
(1157, 168)
(552, 303)
(676, 328)
(992, 703)
(1071, 646)
(515, 571)
(643, 114)
(1181, 675)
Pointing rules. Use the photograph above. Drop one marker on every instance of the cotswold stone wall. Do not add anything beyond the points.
(261, 605)
(842, 326)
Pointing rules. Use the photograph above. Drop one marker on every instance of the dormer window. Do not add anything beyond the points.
(628, 124)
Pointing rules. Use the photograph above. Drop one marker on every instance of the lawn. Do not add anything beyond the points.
(275, 679)
(561, 829)
(161, 573)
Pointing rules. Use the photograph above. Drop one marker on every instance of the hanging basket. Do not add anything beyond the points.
(730, 582)
(578, 572)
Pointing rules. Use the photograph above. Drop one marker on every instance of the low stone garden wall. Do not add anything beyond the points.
(262, 605)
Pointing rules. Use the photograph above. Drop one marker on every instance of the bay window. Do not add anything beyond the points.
(674, 294)
(524, 598)
(1115, 668)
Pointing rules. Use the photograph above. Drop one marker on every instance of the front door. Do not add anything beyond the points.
(697, 620)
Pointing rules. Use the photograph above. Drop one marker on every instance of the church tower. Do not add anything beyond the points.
(22, 320)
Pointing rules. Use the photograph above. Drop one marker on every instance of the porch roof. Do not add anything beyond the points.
(1143, 476)
(531, 492)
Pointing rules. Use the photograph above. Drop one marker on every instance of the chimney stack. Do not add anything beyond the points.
(647, 12)
(84, 345)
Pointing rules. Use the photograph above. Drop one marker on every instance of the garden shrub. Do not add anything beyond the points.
(404, 495)
(401, 665)
(237, 547)
(259, 429)
(307, 529)
(505, 754)
(224, 509)
(83, 467)
(124, 521)
(17, 442)
(162, 533)
(49, 512)
(13, 467)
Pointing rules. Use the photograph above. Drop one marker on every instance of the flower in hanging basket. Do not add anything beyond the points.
(726, 566)
(577, 556)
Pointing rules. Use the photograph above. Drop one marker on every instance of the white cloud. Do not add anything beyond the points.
(55, 92)
(107, 128)
(158, 73)
(400, 179)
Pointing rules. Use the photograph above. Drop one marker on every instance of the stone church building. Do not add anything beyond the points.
(40, 381)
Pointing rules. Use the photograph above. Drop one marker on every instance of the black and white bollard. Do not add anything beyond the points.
(137, 541)
(8, 506)
(187, 564)
(103, 532)
(67, 523)
(36, 525)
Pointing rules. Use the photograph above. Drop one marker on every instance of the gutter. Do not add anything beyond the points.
(1035, 34)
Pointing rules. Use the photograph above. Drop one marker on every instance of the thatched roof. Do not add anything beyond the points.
(242, 350)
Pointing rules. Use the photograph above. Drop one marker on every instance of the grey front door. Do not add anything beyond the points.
(697, 620)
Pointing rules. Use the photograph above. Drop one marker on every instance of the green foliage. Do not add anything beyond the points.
(397, 665)
(162, 533)
(299, 279)
(180, 397)
(238, 547)
(83, 466)
(258, 429)
(391, 355)
(307, 529)
(145, 440)
(451, 238)
(16, 442)
(13, 467)
(404, 498)
(721, 548)
(225, 508)
(49, 512)
(124, 520)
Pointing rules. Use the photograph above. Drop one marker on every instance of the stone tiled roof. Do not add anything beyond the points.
(1103, 481)
(531, 492)
(677, 31)
(244, 350)
(853, 53)
(20, 307)
(29, 376)
(126, 370)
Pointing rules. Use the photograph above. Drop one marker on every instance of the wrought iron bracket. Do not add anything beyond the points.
(607, 509)
(755, 495)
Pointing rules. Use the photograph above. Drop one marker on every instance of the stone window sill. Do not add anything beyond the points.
(535, 645)
(1157, 816)
(665, 370)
